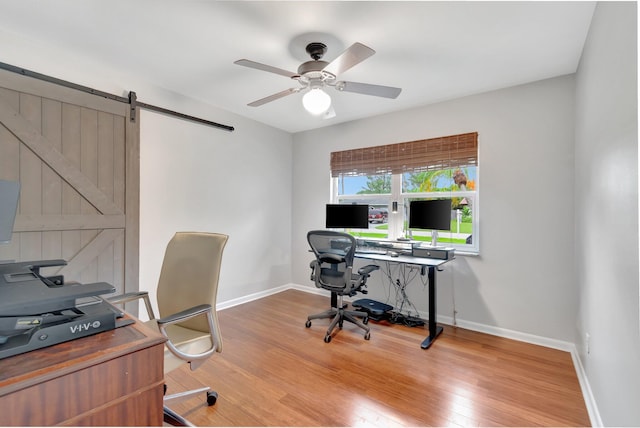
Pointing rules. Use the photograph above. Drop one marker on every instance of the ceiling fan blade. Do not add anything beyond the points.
(367, 89)
(264, 67)
(274, 97)
(355, 54)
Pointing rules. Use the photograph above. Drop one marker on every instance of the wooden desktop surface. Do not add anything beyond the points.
(112, 378)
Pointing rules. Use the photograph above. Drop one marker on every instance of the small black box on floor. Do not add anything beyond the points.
(376, 310)
(408, 320)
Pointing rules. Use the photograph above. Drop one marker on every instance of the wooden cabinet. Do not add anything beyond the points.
(112, 378)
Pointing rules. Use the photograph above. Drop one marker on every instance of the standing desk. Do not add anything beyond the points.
(431, 266)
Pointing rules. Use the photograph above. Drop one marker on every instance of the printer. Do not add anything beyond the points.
(38, 311)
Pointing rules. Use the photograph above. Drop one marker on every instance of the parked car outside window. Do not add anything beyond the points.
(378, 216)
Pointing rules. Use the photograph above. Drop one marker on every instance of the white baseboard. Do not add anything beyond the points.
(587, 393)
(251, 297)
(592, 408)
(510, 334)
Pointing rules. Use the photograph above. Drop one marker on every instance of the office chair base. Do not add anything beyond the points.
(339, 316)
(174, 419)
(212, 397)
(188, 394)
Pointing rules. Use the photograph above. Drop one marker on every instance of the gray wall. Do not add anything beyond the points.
(606, 212)
(523, 279)
(195, 177)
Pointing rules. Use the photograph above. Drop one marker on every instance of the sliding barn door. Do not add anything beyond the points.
(76, 156)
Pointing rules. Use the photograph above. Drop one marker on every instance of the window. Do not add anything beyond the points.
(445, 167)
(374, 190)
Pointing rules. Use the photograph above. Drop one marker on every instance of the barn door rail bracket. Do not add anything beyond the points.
(131, 100)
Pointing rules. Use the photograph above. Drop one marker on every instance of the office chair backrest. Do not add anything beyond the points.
(189, 275)
(330, 242)
(334, 253)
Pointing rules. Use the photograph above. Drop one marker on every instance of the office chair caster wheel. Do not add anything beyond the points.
(367, 336)
(327, 338)
(307, 324)
(365, 320)
(212, 397)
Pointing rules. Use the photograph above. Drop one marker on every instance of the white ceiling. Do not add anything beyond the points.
(434, 51)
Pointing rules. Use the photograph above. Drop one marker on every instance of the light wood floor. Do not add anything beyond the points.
(275, 372)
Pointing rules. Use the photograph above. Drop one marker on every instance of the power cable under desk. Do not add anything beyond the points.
(402, 299)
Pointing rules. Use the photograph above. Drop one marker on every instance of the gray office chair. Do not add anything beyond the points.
(186, 293)
(333, 270)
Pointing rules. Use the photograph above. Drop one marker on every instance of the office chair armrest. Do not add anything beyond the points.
(194, 359)
(127, 297)
(130, 297)
(184, 315)
(314, 265)
(366, 270)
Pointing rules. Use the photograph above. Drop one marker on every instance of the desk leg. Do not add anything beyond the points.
(434, 330)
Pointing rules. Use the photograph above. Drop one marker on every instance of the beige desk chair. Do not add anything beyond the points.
(333, 270)
(187, 291)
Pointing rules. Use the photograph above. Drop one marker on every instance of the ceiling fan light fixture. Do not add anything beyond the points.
(317, 74)
(316, 101)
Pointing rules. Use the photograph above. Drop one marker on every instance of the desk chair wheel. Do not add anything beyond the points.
(307, 324)
(365, 320)
(327, 338)
(212, 397)
(367, 335)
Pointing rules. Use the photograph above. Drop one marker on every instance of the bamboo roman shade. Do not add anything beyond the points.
(455, 151)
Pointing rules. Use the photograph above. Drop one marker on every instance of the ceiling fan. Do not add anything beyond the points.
(316, 74)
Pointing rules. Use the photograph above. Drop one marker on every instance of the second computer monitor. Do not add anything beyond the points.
(434, 214)
(347, 216)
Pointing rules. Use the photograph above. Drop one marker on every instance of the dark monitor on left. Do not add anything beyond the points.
(347, 216)
(9, 194)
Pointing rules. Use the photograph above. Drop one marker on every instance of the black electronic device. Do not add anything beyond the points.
(38, 311)
(377, 311)
(434, 214)
(433, 253)
(9, 194)
(347, 216)
(23, 291)
(22, 334)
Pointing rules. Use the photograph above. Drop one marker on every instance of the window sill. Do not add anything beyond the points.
(468, 253)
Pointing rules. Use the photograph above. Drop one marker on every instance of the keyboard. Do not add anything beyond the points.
(370, 250)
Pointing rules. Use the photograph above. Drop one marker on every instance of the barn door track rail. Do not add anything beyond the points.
(132, 100)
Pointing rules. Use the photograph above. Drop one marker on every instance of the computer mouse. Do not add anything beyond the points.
(393, 254)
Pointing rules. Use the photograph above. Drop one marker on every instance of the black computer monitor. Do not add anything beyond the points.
(9, 194)
(434, 214)
(351, 216)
